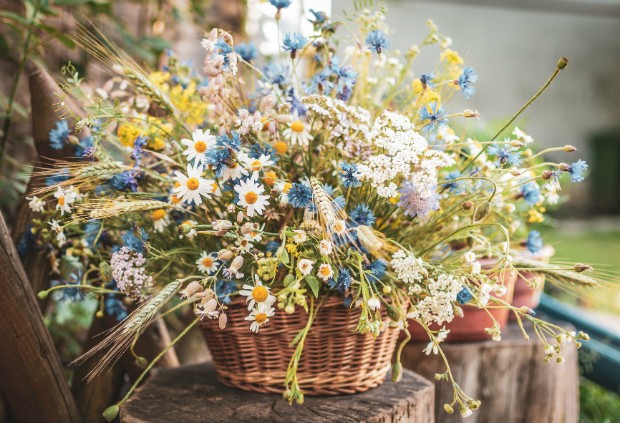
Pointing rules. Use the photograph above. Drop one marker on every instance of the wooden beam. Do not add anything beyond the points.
(33, 381)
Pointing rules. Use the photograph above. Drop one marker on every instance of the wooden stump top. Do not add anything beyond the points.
(191, 394)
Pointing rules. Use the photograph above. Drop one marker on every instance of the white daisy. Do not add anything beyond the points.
(60, 235)
(305, 266)
(374, 303)
(233, 172)
(251, 197)
(36, 204)
(207, 263)
(300, 236)
(260, 316)
(65, 199)
(325, 272)
(257, 165)
(339, 227)
(193, 187)
(297, 133)
(257, 294)
(160, 220)
(325, 247)
(199, 144)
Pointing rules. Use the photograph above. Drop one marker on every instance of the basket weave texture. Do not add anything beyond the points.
(336, 359)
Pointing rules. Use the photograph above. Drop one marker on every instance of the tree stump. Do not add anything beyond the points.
(193, 394)
(509, 377)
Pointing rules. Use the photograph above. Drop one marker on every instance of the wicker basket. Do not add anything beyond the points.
(336, 359)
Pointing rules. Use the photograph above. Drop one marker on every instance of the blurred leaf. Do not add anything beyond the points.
(314, 284)
(15, 17)
(68, 42)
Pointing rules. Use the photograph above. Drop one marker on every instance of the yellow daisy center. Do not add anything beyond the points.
(280, 147)
(286, 186)
(270, 178)
(260, 293)
(175, 200)
(192, 183)
(200, 146)
(207, 262)
(214, 187)
(256, 165)
(297, 126)
(260, 318)
(61, 201)
(251, 197)
(159, 214)
(325, 271)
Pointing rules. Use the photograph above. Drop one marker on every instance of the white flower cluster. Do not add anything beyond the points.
(402, 153)
(437, 306)
(409, 269)
(128, 272)
(349, 125)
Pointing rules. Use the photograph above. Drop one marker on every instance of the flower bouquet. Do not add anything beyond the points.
(304, 208)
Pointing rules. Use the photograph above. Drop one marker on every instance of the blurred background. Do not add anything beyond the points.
(512, 44)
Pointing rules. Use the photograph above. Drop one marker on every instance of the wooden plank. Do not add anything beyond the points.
(510, 378)
(33, 381)
(192, 394)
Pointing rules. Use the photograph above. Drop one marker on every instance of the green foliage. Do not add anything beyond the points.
(597, 404)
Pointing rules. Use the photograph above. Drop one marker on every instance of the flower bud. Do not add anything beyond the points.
(225, 255)
(236, 263)
(221, 225)
(110, 413)
(582, 267)
(569, 148)
(184, 228)
(516, 143)
(448, 408)
(467, 113)
(141, 362)
(546, 175)
(562, 63)
(564, 167)
(240, 217)
(467, 205)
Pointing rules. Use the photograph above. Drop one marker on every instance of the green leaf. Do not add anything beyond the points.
(314, 284)
(284, 258)
(68, 42)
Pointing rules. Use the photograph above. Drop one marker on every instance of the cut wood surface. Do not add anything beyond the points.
(31, 375)
(510, 378)
(193, 394)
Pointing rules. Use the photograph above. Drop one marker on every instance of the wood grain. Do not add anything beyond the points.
(510, 378)
(192, 394)
(32, 381)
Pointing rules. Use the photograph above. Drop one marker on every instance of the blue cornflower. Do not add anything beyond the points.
(320, 83)
(258, 149)
(362, 215)
(280, 4)
(61, 176)
(247, 51)
(296, 105)
(376, 270)
(464, 296)
(465, 81)
(417, 199)
(300, 195)
(342, 281)
(126, 180)
(59, 136)
(505, 155)
(349, 175)
(277, 73)
(138, 148)
(115, 307)
(135, 239)
(26, 242)
(218, 159)
(84, 147)
(224, 289)
(377, 41)
(272, 246)
(534, 242)
(427, 79)
(435, 114)
(294, 42)
(232, 140)
(68, 294)
(319, 17)
(531, 193)
(455, 186)
(346, 78)
(577, 170)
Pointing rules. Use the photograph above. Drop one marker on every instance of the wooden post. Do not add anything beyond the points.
(32, 381)
(509, 377)
(192, 394)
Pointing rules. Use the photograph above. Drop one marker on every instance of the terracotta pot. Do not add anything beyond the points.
(475, 320)
(525, 294)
